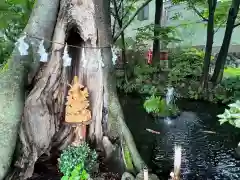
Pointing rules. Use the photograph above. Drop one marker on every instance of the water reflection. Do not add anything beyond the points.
(208, 148)
(207, 154)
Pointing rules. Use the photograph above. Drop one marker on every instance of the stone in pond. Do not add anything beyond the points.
(97, 178)
(127, 176)
(150, 176)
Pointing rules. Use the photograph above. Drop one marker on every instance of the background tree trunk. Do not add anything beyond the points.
(222, 56)
(157, 25)
(14, 79)
(120, 25)
(42, 126)
(210, 36)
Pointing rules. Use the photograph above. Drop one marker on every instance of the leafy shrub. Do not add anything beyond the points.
(159, 107)
(78, 173)
(141, 80)
(232, 85)
(185, 63)
(72, 157)
(231, 115)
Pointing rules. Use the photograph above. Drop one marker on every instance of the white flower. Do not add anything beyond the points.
(66, 58)
(22, 46)
(42, 52)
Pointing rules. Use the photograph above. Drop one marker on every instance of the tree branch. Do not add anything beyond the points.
(130, 20)
(114, 27)
(236, 25)
(198, 12)
(127, 11)
(219, 26)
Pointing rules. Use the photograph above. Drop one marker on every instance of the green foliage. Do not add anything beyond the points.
(14, 15)
(231, 72)
(231, 115)
(185, 76)
(122, 11)
(158, 106)
(5, 50)
(232, 85)
(200, 7)
(141, 81)
(78, 173)
(81, 156)
(15, 11)
(145, 33)
(186, 63)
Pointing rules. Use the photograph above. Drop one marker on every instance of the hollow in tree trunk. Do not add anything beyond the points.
(85, 24)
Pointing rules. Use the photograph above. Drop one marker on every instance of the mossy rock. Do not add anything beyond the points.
(140, 176)
(127, 157)
(127, 176)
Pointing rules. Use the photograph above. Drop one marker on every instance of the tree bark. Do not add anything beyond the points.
(157, 25)
(210, 36)
(14, 79)
(221, 59)
(42, 127)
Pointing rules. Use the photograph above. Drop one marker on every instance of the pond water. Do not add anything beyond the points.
(208, 148)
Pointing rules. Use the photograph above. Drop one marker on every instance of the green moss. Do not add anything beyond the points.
(127, 158)
(4, 67)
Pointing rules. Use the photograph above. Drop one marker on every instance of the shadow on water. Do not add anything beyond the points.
(208, 148)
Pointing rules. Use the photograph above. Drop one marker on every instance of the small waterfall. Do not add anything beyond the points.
(169, 95)
(169, 100)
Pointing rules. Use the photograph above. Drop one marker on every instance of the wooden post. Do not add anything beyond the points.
(145, 173)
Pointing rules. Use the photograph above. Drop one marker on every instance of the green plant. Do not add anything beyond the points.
(231, 72)
(74, 156)
(231, 115)
(186, 64)
(158, 106)
(14, 15)
(166, 35)
(141, 81)
(232, 85)
(78, 173)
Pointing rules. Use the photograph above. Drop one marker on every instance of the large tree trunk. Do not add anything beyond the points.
(42, 127)
(210, 35)
(222, 56)
(13, 80)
